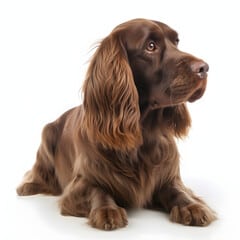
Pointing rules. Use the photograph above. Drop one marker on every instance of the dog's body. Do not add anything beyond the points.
(117, 150)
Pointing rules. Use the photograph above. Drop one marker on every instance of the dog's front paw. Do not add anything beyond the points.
(195, 214)
(26, 189)
(108, 218)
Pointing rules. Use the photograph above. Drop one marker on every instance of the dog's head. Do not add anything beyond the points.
(138, 69)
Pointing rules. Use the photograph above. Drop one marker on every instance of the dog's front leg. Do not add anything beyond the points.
(82, 199)
(184, 207)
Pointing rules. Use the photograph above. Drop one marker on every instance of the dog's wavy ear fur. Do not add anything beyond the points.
(111, 110)
(178, 120)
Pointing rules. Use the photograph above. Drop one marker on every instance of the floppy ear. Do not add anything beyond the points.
(178, 119)
(111, 109)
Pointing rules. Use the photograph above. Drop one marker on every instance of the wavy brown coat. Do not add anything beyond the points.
(118, 150)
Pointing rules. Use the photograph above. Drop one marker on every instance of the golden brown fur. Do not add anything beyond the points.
(117, 150)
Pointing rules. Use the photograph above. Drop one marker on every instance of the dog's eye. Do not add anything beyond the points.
(151, 46)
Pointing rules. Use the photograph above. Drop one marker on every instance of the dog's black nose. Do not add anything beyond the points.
(200, 68)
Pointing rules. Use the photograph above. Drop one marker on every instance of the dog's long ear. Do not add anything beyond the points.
(111, 109)
(178, 120)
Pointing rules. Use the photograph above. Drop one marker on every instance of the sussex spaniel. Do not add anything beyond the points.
(117, 150)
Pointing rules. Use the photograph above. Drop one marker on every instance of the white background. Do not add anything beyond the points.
(44, 50)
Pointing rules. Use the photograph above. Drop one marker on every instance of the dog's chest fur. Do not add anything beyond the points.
(131, 178)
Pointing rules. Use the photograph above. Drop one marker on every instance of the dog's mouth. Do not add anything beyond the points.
(196, 95)
(198, 91)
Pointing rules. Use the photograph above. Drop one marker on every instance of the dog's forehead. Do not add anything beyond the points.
(149, 25)
(144, 27)
(137, 31)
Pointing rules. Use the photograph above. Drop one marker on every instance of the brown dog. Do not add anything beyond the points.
(117, 150)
